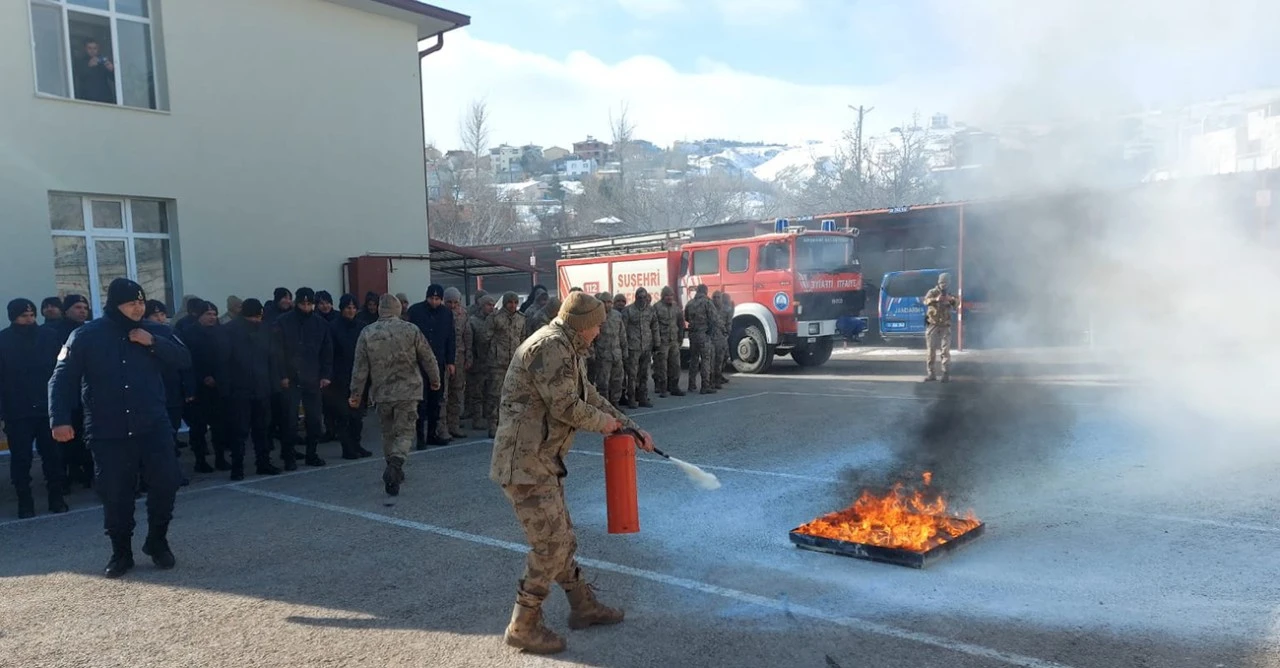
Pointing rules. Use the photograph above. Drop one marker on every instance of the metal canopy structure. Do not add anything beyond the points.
(465, 262)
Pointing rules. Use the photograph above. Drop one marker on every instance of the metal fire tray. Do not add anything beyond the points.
(888, 555)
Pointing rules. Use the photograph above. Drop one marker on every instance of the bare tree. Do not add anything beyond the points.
(475, 131)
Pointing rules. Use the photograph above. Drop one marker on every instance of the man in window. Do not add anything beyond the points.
(95, 75)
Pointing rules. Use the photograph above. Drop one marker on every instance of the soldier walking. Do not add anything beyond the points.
(478, 364)
(700, 313)
(455, 390)
(939, 305)
(610, 350)
(506, 329)
(545, 391)
(642, 341)
(392, 355)
(666, 361)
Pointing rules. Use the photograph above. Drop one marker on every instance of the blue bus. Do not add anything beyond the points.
(902, 306)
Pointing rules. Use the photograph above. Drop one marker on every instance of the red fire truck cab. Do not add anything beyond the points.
(789, 288)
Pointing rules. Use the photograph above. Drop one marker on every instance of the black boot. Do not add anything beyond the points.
(265, 467)
(121, 556)
(26, 504)
(220, 461)
(393, 475)
(362, 452)
(312, 458)
(56, 503)
(157, 546)
(349, 450)
(202, 465)
(237, 468)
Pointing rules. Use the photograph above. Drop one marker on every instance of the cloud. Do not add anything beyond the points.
(647, 9)
(759, 12)
(549, 101)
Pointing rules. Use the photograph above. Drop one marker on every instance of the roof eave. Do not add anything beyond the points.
(430, 20)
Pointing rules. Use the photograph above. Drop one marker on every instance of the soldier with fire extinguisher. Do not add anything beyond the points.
(545, 391)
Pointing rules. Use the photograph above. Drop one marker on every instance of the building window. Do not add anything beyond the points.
(97, 239)
(738, 260)
(98, 51)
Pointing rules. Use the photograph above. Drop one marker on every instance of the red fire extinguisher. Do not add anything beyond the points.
(621, 495)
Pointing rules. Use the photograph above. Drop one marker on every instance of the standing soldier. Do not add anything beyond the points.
(28, 353)
(719, 340)
(610, 349)
(478, 303)
(115, 365)
(540, 317)
(620, 307)
(392, 355)
(642, 337)
(304, 367)
(700, 313)
(348, 422)
(249, 383)
(546, 399)
(455, 389)
(506, 328)
(478, 369)
(940, 305)
(726, 305)
(666, 362)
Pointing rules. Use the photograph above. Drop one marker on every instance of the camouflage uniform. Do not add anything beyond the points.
(642, 340)
(726, 306)
(450, 423)
(506, 331)
(700, 314)
(392, 354)
(546, 399)
(610, 350)
(478, 374)
(541, 317)
(937, 334)
(666, 362)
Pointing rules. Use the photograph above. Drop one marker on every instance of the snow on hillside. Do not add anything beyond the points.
(797, 164)
(738, 160)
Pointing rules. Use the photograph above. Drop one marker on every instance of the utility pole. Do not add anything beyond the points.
(857, 145)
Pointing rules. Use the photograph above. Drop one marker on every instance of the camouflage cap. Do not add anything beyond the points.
(667, 291)
(510, 297)
(485, 300)
(389, 305)
(581, 311)
(604, 297)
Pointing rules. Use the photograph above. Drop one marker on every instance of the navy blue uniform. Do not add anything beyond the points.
(76, 460)
(27, 356)
(206, 415)
(120, 387)
(349, 422)
(303, 352)
(437, 326)
(249, 382)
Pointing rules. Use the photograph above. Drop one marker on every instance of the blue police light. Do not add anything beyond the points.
(828, 225)
(780, 225)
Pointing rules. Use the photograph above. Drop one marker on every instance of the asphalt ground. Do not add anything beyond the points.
(1101, 547)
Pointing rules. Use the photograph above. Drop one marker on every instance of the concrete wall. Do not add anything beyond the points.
(293, 141)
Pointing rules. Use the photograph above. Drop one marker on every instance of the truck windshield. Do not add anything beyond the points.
(824, 253)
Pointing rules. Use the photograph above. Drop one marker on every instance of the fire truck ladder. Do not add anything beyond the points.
(625, 245)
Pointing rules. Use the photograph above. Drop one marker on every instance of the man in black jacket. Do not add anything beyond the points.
(120, 361)
(75, 456)
(348, 421)
(179, 385)
(248, 384)
(304, 367)
(206, 415)
(436, 322)
(27, 355)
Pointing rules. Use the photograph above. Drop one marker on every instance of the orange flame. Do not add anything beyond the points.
(900, 519)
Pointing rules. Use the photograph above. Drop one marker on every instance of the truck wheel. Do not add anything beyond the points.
(816, 354)
(750, 350)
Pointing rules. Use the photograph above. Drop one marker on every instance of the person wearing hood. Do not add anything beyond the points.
(456, 385)
(538, 297)
(207, 415)
(249, 384)
(304, 367)
(546, 400)
(390, 359)
(700, 314)
(666, 362)
(506, 331)
(115, 367)
(610, 352)
(51, 309)
(541, 317)
(642, 341)
(404, 305)
(348, 422)
(27, 355)
(940, 307)
(478, 364)
(436, 323)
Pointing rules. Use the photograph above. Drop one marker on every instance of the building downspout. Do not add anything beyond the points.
(422, 125)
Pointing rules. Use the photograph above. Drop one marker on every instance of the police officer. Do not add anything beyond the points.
(27, 355)
(391, 355)
(546, 399)
(121, 359)
(304, 367)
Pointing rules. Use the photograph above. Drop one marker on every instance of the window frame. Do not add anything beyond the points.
(113, 17)
(693, 262)
(125, 233)
(746, 263)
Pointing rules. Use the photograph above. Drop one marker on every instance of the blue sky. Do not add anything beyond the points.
(787, 70)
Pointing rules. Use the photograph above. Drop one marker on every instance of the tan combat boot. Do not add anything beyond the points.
(585, 610)
(527, 632)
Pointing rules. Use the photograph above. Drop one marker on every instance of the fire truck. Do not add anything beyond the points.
(789, 287)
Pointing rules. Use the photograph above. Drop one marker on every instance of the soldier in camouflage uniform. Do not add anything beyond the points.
(392, 354)
(642, 341)
(726, 303)
(620, 307)
(477, 305)
(700, 313)
(666, 362)
(939, 305)
(506, 331)
(450, 423)
(478, 371)
(719, 341)
(610, 349)
(546, 399)
(540, 317)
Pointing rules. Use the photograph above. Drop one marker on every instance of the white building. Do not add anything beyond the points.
(576, 169)
(230, 147)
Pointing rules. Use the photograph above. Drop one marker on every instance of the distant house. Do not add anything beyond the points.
(554, 153)
(591, 149)
(524, 191)
(432, 154)
(504, 162)
(576, 169)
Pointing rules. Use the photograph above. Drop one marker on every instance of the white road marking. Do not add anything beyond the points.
(775, 474)
(853, 623)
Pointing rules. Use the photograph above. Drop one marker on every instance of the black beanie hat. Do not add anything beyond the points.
(19, 306)
(155, 306)
(324, 296)
(122, 291)
(51, 301)
(280, 293)
(72, 300)
(347, 300)
(251, 308)
(435, 290)
(304, 295)
(196, 306)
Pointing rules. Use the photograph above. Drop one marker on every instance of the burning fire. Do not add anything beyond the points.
(901, 519)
